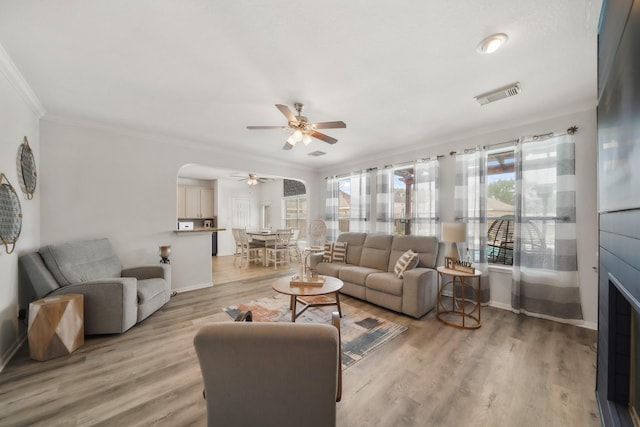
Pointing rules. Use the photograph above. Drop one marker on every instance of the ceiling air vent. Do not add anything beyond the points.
(498, 94)
(317, 153)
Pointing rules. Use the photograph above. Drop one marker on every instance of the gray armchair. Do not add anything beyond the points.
(270, 374)
(114, 299)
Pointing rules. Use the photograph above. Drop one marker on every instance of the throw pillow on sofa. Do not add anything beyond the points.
(327, 256)
(339, 252)
(335, 252)
(407, 261)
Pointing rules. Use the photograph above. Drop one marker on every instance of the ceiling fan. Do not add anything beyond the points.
(252, 178)
(301, 129)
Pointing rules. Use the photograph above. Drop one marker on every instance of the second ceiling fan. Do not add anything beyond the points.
(302, 130)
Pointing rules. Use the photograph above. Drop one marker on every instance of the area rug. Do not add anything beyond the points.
(361, 332)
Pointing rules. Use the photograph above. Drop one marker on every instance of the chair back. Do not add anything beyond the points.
(270, 374)
(243, 237)
(295, 235)
(280, 239)
(236, 235)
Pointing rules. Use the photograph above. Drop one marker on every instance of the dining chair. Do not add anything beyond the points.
(238, 245)
(251, 251)
(278, 248)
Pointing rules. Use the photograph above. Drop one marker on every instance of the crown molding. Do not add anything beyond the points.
(162, 137)
(12, 73)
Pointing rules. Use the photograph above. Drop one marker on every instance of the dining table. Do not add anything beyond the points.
(262, 236)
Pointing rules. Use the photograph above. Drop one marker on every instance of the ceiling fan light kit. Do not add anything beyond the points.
(301, 129)
(253, 179)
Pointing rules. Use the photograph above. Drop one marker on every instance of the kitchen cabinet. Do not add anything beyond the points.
(195, 202)
(182, 212)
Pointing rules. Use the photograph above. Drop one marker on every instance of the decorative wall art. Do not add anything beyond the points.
(27, 169)
(10, 214)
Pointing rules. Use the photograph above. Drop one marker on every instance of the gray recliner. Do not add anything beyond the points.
(271, 374)
(114, 299)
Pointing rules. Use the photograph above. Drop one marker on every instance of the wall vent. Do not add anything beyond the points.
(317, 153)
(498, 94)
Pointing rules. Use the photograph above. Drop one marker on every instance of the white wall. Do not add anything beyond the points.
(227, 191)
(99, 181)
(586, 151)
(19, 116)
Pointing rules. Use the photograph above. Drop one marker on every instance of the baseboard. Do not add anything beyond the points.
(193, 287)
(500, 305)
(6, 358)
(578, 323)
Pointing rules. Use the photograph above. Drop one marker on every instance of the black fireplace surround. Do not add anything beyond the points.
(619, 211)
(619, 295)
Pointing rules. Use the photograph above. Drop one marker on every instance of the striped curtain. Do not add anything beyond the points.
(426, 221)
(384, 201)
(545, 267)
(331, 209)
(471, 207)
(360, 202)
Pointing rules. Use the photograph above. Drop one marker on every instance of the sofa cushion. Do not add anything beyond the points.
(407, 261)
(149, 288)
(329, 269)
(375, 253)
(81, 261)
(386, 282)
(425, 246)
(355, 242)
(355, 274)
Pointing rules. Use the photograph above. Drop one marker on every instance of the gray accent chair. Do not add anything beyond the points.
(368, 272)
(115, 299)
(270, 374)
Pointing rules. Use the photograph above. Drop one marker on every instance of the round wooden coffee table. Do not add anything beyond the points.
(331, 285)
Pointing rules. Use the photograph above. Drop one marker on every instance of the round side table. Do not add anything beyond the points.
(463, 312)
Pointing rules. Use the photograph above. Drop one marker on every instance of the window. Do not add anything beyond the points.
(402, 191)
(344, 204)
(266, 215)
(500, 206)
(407, 199)
(296, 214)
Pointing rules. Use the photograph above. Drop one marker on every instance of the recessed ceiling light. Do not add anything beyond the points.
(492, 43)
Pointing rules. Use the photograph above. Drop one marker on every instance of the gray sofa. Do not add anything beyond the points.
(115, 299)
(368, 272)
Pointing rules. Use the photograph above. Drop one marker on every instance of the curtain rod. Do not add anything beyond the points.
(572, 130)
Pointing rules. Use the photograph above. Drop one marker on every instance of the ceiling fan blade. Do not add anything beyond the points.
(329, 125)
(287, 146)
(267, 127)
(323, 137)
(287, 113)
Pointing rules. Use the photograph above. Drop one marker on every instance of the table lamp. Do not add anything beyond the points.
(165, 250)
(453, 233)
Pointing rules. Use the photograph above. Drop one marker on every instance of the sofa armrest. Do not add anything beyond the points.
(162, 271)
(110, 305)
(146, 272)
(419, 292)
(315, 259)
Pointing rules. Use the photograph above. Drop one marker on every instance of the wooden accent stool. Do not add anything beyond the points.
(56, 326)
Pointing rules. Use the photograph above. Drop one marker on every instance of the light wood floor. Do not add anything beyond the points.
(513, 371)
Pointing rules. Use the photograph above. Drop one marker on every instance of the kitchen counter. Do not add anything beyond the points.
(201, 230)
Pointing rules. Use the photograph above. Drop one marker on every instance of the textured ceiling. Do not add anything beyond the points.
(398, 73)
